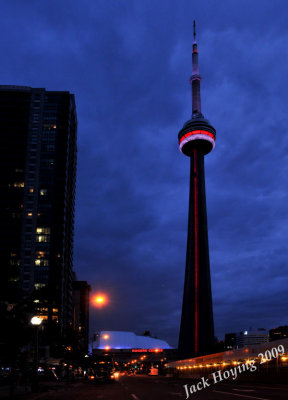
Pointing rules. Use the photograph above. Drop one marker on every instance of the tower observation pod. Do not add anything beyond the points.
(196, 139)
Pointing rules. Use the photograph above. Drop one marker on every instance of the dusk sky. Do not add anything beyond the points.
(128, 64)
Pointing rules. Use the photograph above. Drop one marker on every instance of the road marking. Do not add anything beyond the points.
(245, 390)
(134, 396)
(265, 387)
(240, 395)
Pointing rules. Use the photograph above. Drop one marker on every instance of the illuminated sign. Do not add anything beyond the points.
(147, 350)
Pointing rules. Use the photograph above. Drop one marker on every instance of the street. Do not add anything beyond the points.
(142, 387)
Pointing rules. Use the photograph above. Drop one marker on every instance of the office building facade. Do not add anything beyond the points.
(252, 337)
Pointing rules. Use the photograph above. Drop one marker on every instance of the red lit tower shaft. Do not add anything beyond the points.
(197, 327)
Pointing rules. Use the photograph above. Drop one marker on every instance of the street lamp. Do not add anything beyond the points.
(36, 322)
(98, 300)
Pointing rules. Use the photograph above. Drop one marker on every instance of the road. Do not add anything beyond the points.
(142, 387)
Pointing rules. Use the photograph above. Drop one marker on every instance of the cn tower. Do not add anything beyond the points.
(196, 139)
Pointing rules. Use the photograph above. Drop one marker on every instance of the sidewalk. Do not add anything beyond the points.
(44, 387)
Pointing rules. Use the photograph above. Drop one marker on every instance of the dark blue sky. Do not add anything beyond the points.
(128, 64)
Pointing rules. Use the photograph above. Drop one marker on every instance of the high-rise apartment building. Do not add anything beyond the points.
(37, 179)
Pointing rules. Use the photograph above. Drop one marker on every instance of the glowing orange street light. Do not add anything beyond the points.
(99, 300)
(106, 337)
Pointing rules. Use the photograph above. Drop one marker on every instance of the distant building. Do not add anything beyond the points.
(81, 291)
(109, 340)
(230, 341)
(37, 181)
(278, 333)
(125, 346)
(250, 338)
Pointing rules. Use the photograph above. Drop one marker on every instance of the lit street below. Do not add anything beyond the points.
(142, 387)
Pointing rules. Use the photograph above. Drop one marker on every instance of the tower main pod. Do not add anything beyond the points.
(196, 139)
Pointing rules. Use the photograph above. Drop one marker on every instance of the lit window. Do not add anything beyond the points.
(43, 192)
(41, 262)
(29, 214)
(43, 230)
(43, 317)
(43, 238)
(39, 285)
(19, 184)
(42, 309)
(31, 190)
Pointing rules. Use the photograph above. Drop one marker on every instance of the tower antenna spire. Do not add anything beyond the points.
(195, 78)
